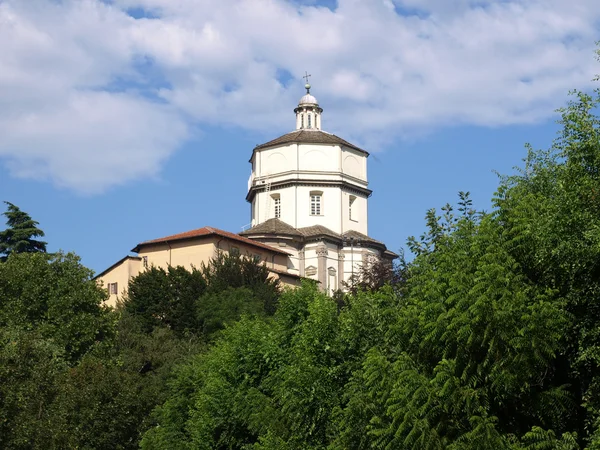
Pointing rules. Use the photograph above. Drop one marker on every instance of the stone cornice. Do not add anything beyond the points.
(290, 175)
(313, 183)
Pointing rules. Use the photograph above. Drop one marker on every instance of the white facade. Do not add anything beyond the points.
(296, 171)
(316, 184)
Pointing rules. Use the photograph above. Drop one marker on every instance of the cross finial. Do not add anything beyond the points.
(307, 85)
(306, 76)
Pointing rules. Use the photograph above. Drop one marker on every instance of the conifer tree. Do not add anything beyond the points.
(20, 234)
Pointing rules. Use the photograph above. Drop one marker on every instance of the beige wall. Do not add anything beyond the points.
(191, 253)
(120, 274)
(179, 253)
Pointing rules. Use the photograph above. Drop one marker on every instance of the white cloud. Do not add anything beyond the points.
(91, 140)
(91, 97)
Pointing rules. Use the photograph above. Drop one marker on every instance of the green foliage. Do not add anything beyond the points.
(50, 318)
(98, 405)
(551, 214)
(30, 367)
(158, 297)
(466, 362)
(272, 383)
(237, 271)
(74, 374)
(55, 296)
(224, 398)
(201, 301)
(20, 234)
(216, 309)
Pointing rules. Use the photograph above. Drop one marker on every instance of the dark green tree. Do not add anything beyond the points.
(30, 367)
(238, 271)
(165, 298)
(56, 296)
(20, 234)
(51, 317)
(105, 401)
(201, 301)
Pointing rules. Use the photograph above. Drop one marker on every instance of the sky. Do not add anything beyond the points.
(128, 120)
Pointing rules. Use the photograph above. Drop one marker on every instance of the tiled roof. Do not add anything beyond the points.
(391, 254)
(208, 231)
(318, 230)
(278, 227)
(361, 237)
(310, 137)
(272, 226)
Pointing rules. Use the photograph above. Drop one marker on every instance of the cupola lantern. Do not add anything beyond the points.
(308, 112)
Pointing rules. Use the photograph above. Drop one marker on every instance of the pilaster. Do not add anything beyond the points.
(322, 266)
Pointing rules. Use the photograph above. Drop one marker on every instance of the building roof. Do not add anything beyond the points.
(310, 136)
(308, 99)
(278, 227)
(317, 231)
(390, 254)
(352, 234)
(205, 232)
(272, 226)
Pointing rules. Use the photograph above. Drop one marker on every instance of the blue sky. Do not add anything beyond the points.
(129, 120)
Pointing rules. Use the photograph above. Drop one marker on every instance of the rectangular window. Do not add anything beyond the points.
(309, 116)
(277, 201)
(315, 204)
(113, 289)
(145, 261)
(234, 251)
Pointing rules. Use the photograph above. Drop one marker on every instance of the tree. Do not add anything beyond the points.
(238, 271)
(266, 376)
(376, 273)
(30, 367)
(56, 296)
(50, 318)
(20, 234)
(165, 298)
(201, 301)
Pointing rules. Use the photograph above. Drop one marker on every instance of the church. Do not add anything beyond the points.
(309, 194)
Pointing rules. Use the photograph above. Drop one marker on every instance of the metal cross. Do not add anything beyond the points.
(306, 76)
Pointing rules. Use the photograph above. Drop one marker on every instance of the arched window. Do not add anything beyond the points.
(309, 116)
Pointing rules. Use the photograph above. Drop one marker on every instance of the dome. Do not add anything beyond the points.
(308, 99)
